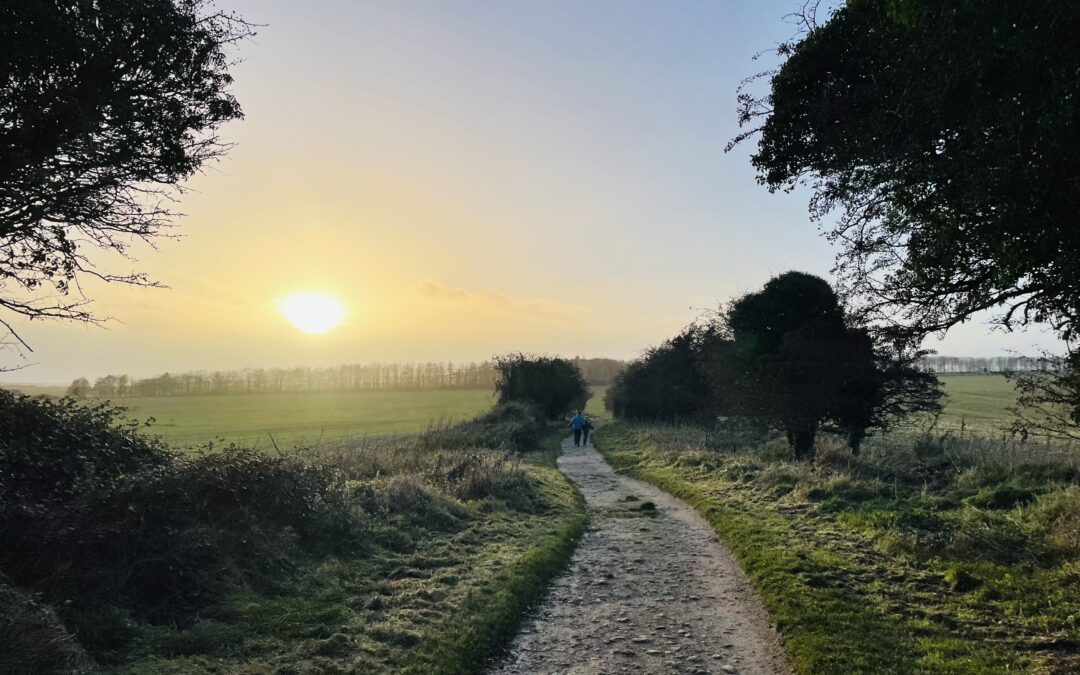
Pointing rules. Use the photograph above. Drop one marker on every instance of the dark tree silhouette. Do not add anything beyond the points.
(805, 366)
(669, 383)
(555, 386)
(792, 332)
(105, 109)
(786, 357)
(946, 135)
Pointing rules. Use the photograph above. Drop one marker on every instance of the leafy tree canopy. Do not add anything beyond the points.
(945, 133)
(105, 109)
(803, 364)
(669, 383)
(784, 357)
(555, 386)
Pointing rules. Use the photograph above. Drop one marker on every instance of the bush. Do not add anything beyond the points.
(116, 531)
(669, 383)
(34, 640)
(514, 425)
(554, 385)
(89, 509)
(51, 451)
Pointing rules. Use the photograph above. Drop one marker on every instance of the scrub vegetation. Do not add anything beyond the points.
(926, 553)
(413, 553)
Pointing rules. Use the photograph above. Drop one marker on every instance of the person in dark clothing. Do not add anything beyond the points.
(585, 429)
(577, 424)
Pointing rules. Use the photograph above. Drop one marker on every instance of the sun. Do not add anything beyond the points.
(314, 313)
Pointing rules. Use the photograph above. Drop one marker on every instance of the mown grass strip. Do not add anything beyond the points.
(826, 629)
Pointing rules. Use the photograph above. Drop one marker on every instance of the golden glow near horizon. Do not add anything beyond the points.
(314, 313)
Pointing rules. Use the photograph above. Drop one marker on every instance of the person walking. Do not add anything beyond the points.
(586, 427)
(577, 424)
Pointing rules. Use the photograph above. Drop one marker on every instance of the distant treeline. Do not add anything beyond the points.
(350, 377)
(992, 364)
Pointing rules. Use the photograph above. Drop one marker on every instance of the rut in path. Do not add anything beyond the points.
(644, 593)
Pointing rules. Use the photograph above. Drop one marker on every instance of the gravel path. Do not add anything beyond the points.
(647, 592)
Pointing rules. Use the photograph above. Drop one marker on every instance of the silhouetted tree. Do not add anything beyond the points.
(946, 133)
(553, 385)
(883, 384)
(793, 334)
(668, 383)
(803, 366)
(105, 109)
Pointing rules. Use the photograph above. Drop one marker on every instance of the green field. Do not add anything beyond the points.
(980, 402)
(302, 418)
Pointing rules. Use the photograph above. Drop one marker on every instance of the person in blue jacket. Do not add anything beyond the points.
(577, 424)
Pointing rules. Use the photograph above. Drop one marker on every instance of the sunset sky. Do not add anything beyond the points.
(466, 178)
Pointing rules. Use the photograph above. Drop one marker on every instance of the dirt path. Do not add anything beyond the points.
(645, 593)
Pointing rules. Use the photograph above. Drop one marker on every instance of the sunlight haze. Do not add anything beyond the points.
(460, 180)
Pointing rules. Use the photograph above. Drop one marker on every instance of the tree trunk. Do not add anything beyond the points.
(855, 439)
(801, 437)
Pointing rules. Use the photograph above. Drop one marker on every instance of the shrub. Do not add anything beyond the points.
(670, 383)
(554, 385)
(51, 451)
(90, 509)
(513, 425)
(34, 640)
(116, 531)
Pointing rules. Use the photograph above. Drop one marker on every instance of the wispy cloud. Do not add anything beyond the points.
(437, 292)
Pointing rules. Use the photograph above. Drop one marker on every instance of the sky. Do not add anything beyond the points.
(466, 178)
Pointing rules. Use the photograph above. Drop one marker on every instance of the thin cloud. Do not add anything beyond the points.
(437, 292)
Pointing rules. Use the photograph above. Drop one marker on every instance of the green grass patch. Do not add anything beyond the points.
(979, 403)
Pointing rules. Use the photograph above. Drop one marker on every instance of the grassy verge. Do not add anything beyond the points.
(490, 616)
(415, 554)
(919, 557)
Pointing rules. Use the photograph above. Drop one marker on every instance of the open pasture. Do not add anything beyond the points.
(302, 418)
(979, 402)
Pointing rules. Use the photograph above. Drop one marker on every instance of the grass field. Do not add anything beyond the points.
(302, 418)
(979, 402)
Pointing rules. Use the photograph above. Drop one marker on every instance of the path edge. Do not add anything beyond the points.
(493, 616)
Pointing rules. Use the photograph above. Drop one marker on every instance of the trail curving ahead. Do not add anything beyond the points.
(645, 593)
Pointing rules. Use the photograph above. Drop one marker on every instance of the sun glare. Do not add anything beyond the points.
(314, 313)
